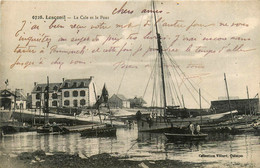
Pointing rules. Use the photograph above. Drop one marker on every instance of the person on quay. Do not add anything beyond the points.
(198, 128)
(191, 127)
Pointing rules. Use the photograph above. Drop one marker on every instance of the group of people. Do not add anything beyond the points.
(194, 128)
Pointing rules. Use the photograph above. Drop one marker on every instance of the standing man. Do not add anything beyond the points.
(198, 128)
(191, 126)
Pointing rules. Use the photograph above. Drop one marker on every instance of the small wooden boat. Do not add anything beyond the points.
(107, 131)
(185, 137)
(49, 129)
(11, 129)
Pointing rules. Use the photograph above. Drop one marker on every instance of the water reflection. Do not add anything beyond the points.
(139, 146)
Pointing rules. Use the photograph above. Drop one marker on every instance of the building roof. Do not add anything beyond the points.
(76, 83)
(138, 100)
(6, 93)
(119, 96)
(52, 87)
(19, 94)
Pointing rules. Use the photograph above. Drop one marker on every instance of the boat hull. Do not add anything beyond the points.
(50, 130)
(185, 137)
(11, 129)
(160, 124)
(99, 132)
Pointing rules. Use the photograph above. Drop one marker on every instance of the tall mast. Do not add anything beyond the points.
(228, 97)
(200, 107)
(161, 59)
(47, 101)
(249, 106)
(14, 104)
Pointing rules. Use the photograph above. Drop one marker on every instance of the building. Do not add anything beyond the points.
(11, 99)
(7, 99)
(38, 95)
(118, 101)
(78, 92)
(137, 102)
(20, 99)
(243, 106)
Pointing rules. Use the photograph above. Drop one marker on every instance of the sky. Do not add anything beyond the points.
(229, 29)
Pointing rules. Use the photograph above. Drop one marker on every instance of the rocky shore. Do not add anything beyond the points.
(39, 159)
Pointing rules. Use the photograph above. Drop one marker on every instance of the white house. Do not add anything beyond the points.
(78, 92)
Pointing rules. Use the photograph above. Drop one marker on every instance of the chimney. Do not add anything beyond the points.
(63, 79)
(91, 77)
(35, 83)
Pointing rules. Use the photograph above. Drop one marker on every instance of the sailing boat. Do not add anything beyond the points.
(48, 128)
(101, 130)
(173, 117)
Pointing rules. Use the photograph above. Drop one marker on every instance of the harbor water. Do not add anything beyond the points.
(219, 148)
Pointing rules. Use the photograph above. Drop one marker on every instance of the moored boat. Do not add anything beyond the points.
(106, 131)
(50, 129)
(145, 123)
(167, 102)
(101, 130)
(185, 137)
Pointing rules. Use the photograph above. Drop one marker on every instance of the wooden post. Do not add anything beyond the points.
(200, 107)
(228, 98)
(40, 106)
(21, 118)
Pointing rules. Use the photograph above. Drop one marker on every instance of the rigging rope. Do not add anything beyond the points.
(176, 91)
(153, 69)
(173, 83)
(183, 81)
(190, 82)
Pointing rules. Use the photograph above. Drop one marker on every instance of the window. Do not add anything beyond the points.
(54, 103)
(82, 84)
(38, 96)
(66, 103)
(75, 103)
(66, 94)
(54, 95)
(82, 93)
(82, 102)
(55, 88)
(38, 104)
(39, 88)
(66, 85)
(75, 93)
(74, 84)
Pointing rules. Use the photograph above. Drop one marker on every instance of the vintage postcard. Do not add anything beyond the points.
(130, 83)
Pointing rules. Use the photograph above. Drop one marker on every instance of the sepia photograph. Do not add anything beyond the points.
(138, 83)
